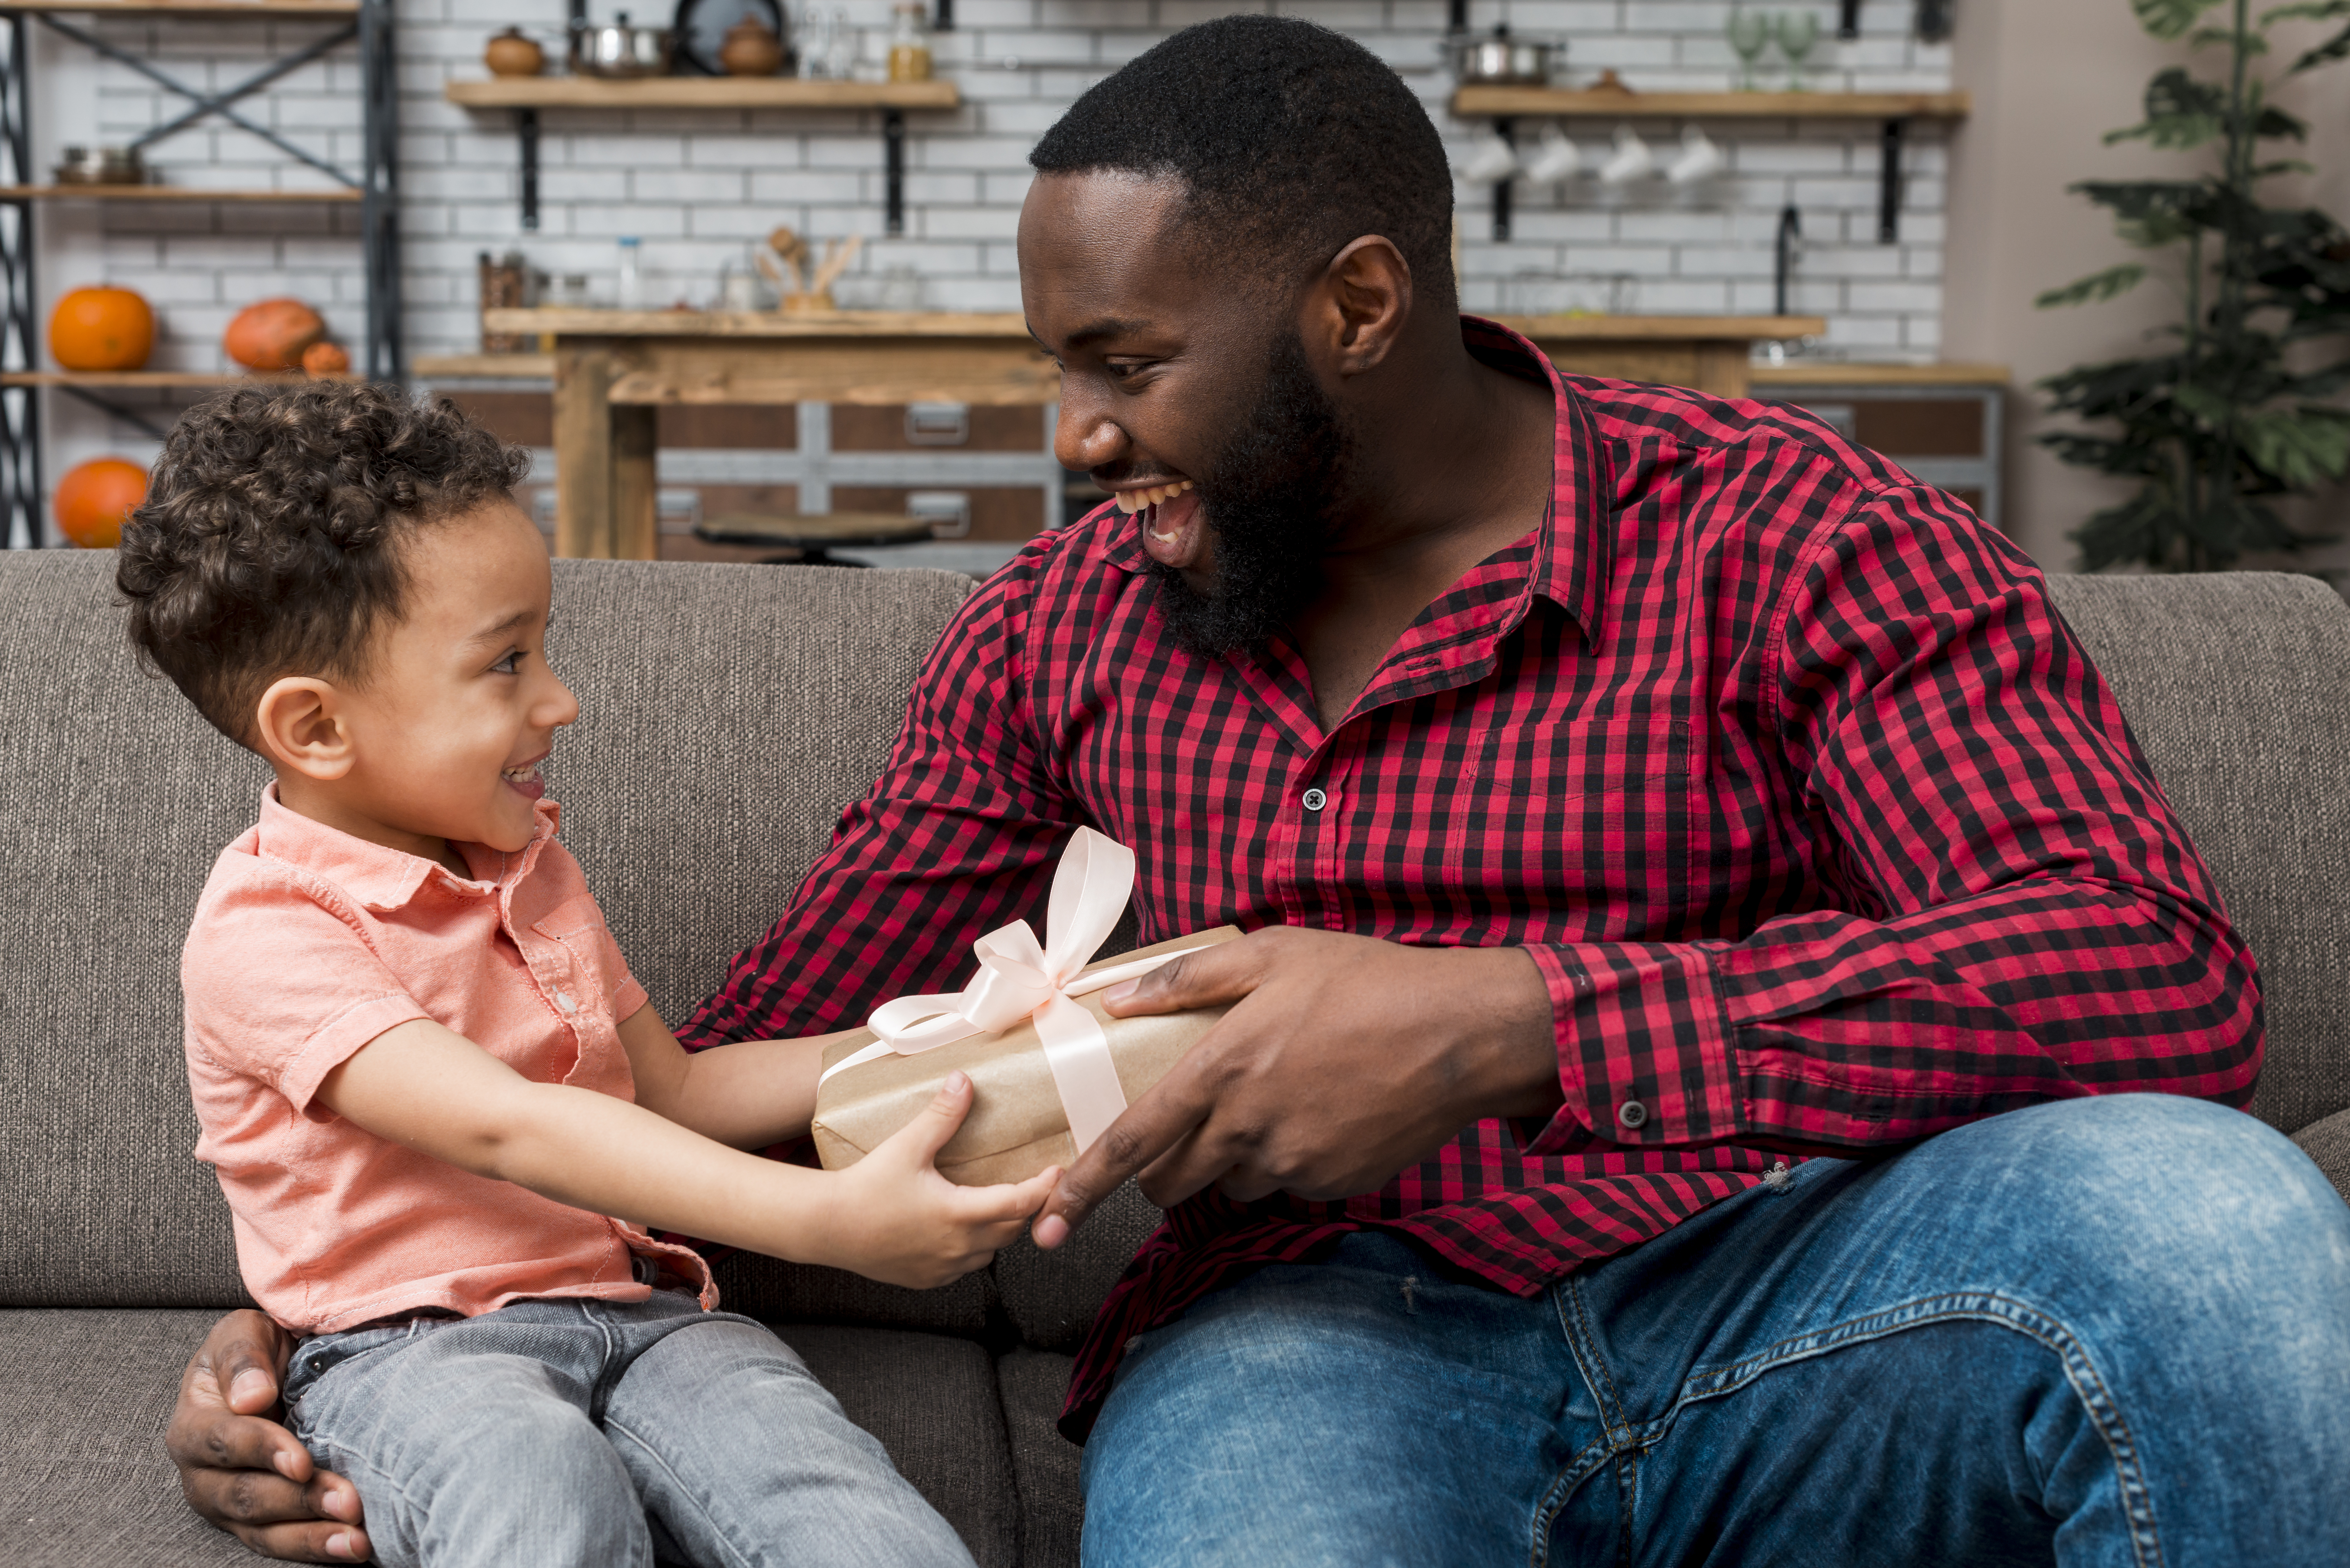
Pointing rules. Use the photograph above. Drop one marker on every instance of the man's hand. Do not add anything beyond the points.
(904, 1224)
(247, 1474)
(1344, 1060)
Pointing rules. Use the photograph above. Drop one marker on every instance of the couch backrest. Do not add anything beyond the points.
(730, 712)
(2237, 688)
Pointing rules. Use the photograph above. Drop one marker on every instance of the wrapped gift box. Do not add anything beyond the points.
(1017, 1127)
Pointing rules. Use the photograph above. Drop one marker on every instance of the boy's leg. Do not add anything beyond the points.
(746, 1459)
(470, 1443)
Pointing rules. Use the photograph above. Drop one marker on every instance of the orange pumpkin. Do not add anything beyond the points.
(101, 329)
(95, 497)
(272, 333)
(325, 359)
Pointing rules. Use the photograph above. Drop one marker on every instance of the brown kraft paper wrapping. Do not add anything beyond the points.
(1016, 1128)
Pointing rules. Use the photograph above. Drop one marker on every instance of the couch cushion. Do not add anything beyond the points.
(1050, 1297)
(84, 1398)
(84, 1395)
(728, 714)
(2327, 1143)
(933, 1401)
(1044, 1463)
(2233, 685)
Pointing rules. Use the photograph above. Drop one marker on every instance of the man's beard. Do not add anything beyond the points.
(1268, 496)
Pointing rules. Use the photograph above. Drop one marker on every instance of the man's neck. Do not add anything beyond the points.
(1455, 463)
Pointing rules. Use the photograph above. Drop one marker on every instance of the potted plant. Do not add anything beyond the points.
(2236, 412)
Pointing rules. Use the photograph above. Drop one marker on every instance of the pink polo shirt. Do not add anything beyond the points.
(308, 943)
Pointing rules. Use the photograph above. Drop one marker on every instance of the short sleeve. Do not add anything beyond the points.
(281, 987)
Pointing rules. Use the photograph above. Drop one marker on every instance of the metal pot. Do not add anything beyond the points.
(105, 166)
(622, 51)
(1500, 60)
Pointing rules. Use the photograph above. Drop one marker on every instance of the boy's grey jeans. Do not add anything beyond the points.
(596, 1433)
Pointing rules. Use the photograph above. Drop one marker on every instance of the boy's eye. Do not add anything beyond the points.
(510, 665)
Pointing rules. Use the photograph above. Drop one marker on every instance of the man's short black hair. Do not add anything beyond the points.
(271, 541)
(1290, 139)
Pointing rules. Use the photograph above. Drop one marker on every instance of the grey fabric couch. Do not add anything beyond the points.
(730, 712)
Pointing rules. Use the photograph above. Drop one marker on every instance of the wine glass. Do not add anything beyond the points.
(1750, 34)
(1798, 32)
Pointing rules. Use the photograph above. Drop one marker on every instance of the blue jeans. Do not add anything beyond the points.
(2110, 1331)
(591, 1432)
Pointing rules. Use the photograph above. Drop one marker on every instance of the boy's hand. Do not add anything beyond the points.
(899, 1221)
(247, 1473)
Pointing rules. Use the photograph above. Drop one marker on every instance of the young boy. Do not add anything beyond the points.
(425, 1075)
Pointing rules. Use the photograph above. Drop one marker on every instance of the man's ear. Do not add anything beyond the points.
(299, 725)
(1355, 311)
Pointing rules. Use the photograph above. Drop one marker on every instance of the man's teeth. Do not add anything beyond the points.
(1135, 500)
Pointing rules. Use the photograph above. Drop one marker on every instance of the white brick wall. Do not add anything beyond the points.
(695, 185)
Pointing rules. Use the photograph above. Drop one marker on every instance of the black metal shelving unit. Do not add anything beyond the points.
(369, 27)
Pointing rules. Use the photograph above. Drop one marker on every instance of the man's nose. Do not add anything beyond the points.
(1084, 439)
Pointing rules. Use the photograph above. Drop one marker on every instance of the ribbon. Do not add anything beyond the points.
(1022, 980)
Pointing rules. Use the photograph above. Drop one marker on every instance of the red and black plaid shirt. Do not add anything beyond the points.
(1821, 827)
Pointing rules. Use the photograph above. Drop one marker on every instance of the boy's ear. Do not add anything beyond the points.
(299, 726)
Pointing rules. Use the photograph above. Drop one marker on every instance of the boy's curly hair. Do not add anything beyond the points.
(270, 541)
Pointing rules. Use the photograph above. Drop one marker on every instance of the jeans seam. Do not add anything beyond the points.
(1981, 1306)
(1614, 1424)
(720, 1531)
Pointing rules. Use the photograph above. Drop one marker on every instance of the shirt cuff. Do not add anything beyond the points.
(629, 997)
(337, 1040)
(1645, 1053)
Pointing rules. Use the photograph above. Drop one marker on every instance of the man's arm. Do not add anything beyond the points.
(2021, 918)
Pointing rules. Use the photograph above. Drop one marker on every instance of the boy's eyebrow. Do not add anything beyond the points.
(492, 633)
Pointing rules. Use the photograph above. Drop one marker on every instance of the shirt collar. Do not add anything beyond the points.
(1570, 562)
(383, 879)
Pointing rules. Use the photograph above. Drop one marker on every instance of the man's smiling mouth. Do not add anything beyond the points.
(1173, 522)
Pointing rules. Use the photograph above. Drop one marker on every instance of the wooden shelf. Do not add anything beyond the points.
(1566, 103)
(699, 92)
(271, 9)
(178, 195)
(757, 323)
(1835, 373)
(155, 380)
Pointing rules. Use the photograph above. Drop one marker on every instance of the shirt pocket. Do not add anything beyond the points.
(1581, 823)
(583, 950)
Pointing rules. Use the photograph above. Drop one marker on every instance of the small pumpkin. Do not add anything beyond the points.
(326, 358)
(271, 333)
(101, 329)
(95, 498)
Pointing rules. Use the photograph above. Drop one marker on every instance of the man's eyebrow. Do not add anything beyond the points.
(1094, 331)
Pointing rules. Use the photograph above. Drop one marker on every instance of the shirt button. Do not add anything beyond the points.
(563, 999)
(1632, 1113)
(1314, 800)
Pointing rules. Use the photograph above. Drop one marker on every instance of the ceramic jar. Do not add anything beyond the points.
(751, 49)
(512, 55)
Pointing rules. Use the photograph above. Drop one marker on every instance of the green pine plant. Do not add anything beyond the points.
(2234, 413)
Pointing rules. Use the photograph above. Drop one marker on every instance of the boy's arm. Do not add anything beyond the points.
(747, 1094)
(891, 1217)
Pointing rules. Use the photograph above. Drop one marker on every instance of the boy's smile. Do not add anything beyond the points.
(440, 744)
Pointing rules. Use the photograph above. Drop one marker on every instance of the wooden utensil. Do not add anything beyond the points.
(836, 262)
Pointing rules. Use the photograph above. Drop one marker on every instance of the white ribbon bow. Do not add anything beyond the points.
(1019, 979)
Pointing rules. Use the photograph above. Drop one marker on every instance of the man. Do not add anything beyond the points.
(1630, 794)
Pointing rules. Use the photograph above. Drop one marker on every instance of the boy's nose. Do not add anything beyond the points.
(562, 708)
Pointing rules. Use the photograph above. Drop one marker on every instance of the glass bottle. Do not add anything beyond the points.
(632, 279)
(910, 43)
(818, 29)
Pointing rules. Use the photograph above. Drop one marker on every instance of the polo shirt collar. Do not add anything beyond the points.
(1571, 558)
(383, 878)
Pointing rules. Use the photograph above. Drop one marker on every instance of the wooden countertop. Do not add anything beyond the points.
(1845, 373)
(1008, 324)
